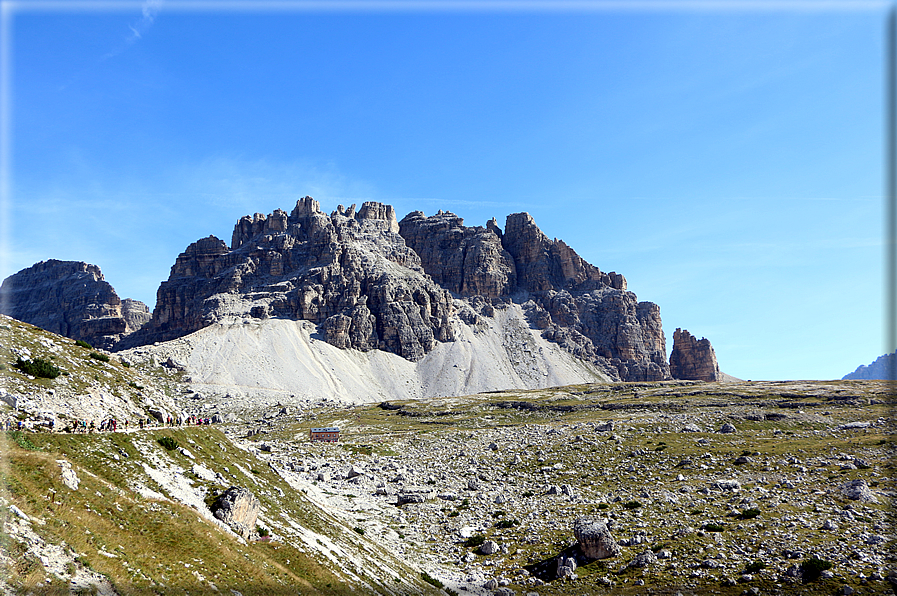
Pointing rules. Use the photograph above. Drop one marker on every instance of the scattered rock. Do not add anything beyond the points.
(727, 484)
(727, 428)
(69, 478)
(643, 559)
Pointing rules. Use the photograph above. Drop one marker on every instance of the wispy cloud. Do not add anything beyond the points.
(148, 12)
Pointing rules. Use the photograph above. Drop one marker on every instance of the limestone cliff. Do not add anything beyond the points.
(73, 299)
(578, 306)
(693, 359)
(350, 273)
(468, 261)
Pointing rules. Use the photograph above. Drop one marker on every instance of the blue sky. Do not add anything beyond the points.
(728, 161)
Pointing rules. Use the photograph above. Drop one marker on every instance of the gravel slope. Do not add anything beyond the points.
(282, 361)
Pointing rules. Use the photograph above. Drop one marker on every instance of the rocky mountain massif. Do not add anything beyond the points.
(467, 309)
(884, 367)
(72, 299)
(372, 283)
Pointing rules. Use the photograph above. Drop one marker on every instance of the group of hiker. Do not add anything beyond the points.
(111, 424)
(191, 420)
(83, 426)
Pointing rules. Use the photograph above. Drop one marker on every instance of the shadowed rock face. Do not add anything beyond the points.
(73, 299)
(350, 273)
(463, 260)
(692, 359)
(884, 367)
(587, 311)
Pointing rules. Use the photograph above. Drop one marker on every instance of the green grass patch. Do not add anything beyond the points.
(19, 438)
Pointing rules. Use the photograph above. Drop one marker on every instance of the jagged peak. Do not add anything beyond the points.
(374, 211)
(306, 207)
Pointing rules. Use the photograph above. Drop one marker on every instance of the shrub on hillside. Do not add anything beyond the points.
(475, 540)
(755, 567)
(168, 443)
(83, 344)
(812, 568)
(431, 580)
(38, 367)
(100, 357)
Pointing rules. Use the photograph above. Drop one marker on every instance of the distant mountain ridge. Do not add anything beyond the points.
(884, 368)
(369, 282)
(72, 299)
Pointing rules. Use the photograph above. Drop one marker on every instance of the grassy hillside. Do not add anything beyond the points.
(138, 521)
(146, 543)
(90, 384)
(723, 512)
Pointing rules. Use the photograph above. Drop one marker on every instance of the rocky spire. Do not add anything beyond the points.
(692, 359)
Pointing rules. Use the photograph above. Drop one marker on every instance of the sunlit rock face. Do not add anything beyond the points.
(693, 359)
(349, 272)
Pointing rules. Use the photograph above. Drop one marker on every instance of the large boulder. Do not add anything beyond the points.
(239, 509)
(595, 540)
(858, 490)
